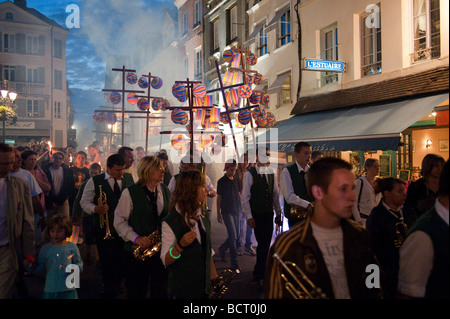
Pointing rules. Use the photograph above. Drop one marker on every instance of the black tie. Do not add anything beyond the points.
(116, 188)
(302, 175)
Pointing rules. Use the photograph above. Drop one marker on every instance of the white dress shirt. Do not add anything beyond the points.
(288, 190)
(247, 185)
(168, 238)
(124, 209)
(416, 259)
(87, 200)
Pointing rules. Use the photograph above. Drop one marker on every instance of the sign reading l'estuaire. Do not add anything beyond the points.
(324, 65)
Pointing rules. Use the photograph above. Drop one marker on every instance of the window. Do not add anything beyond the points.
(427, 25)
(285, 96)
(198, 65)
(371, 44)
(185, 24)
(262, 42)
(329, 51)
(216, 35)
(58, 49)
(32, 45)
(32, 75)
(9, 16)
(32, 108)
(58, 80)
(198, 13)
(9, 72)
(285, 28)
(233, 24)
(58, 110)
(9, 42)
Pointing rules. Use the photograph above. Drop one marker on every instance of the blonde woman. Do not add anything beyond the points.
(186, 243)
(138, 214)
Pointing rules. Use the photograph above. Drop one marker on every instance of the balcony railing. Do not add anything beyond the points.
(29, 88)
(426, 54)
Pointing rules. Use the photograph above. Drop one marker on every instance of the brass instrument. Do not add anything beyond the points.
(299, 212)
(143, 254)
(300, 286)
(203, 171)
(104, 218)
(401, 230)
(220, 285)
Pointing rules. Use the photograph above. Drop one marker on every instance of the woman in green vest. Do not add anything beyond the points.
(139, 214)
(186, 243)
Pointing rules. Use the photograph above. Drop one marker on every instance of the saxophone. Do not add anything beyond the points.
(143, 254)
(220, 285)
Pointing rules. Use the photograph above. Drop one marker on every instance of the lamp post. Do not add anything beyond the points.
(7, 106)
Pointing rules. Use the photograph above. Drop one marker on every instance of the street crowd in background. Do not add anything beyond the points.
(336, 211)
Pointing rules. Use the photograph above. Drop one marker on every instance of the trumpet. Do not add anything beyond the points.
(401, 230)
(104, 218)
(300, 286)
(143, 254)
(299, 212)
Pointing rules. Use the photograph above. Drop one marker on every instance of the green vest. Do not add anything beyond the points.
(433, 225)
(261, 199)
(112, 201)
(299, 185)
(190, 275)
(143, 219)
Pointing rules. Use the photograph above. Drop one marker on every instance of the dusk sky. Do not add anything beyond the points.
(107, 28)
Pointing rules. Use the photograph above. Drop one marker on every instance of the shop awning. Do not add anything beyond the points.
(276, 85)
(273, 23)
(375, 127)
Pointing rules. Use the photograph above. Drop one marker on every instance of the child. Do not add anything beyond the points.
(55, 256)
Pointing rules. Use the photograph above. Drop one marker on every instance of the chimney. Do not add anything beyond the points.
(21, 3)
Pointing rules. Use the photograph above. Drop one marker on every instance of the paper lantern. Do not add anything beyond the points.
(257, 79)
(265, 98)
(244, 117)
(224, 118)
(178, 141)
(98, 117)
(143, 104)
(179, 91)
(228, 56)
(111, 118)
(245, 91)
(143, 82)
(115, 98)
(156, 83)
(179, 117)
(199, 90)
(255, 98)
(200, 117)
(131, 78)
(251, 59)
(215, 115)
(132, 98)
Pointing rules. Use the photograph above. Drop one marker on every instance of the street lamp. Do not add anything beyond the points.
(7, 106)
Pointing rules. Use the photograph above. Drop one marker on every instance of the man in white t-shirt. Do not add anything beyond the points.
(331, 249)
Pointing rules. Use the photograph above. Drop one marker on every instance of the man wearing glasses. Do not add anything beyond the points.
(61, 179)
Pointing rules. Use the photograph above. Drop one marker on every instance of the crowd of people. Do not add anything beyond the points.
(150, 229)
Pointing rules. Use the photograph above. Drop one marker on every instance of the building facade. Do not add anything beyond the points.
(33, 62)
(392, 95)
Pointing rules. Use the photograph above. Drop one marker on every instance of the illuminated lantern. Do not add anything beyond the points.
(115, 98)
(111, 118)
(132, 98)
(215, 115)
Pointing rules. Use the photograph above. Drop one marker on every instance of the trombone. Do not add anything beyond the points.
(104, 218)
(295, 286)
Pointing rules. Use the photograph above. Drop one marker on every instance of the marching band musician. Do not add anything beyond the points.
(110, 251)
(138, 214)
(293, 182)
(388, 224)
(186, 239)
(332, 250)
(260, 197)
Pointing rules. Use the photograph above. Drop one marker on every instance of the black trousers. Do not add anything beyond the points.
(110, 254)
(138, 273)
(263, 235)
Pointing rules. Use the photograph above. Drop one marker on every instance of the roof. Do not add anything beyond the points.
(427, 82)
